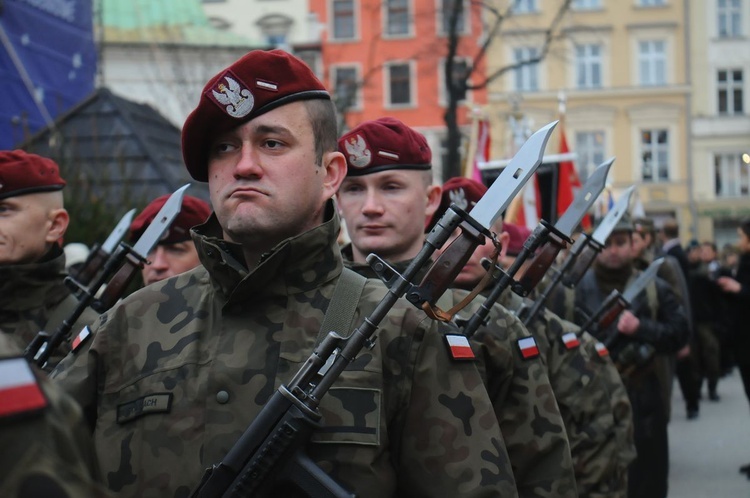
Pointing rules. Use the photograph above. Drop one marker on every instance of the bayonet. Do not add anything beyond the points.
(100, 254)
(584, 253)
(559, 236)
(477, 225)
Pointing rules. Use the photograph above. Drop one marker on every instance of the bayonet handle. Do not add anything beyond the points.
(116, 287)
(535, 272)
(582, 262)
(94, 263)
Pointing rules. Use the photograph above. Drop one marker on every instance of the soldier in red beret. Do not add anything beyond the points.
(175, 253)
(33, 220)
(179, 369)
(386, 200)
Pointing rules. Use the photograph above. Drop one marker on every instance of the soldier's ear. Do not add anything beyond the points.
(434, 193)
(334, 169)
(57, 222)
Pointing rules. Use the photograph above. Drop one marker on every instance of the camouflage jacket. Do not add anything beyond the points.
(34, 296)
(178, 369)
(592, 400)
(522, 397)
(46, 449)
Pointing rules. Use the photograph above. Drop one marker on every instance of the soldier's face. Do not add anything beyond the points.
(618, 251)
(25, 229)
(168, 260)
(640, 243)
(264, 182)
(385, 212)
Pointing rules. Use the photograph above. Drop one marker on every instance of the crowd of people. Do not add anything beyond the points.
(241, 295)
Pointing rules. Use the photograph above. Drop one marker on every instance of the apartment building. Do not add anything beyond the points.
(622, 66)
(719, 61)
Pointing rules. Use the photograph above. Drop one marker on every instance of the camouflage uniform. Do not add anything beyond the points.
(180, 368)
(592, 400)
(33, 296)
(524, 403)
(47, 453)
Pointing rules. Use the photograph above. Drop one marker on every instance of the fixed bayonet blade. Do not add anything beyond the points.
(162, 220)
(613, 216)
(584, 199)
(512, 179)
(117, 234)
(642, 281)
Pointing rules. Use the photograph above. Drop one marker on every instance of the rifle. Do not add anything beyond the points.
(101, 253)
(41, 348)
(580, 256)
(271, 451)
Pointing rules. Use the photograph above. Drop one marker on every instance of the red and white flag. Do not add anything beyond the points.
(482, 154)
(525, 208)
(528, 348)
(19, 391)
(602, 349)
(568, 183)
(459, 347)
(84, 334)
(571, 340)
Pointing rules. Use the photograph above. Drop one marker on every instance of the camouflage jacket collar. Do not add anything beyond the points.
(295, 265)
(34, 285)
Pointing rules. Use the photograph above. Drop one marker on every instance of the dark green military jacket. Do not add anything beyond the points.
(522, 397)
(34, 297)
(178, 370)
(592, 399)
(46, 449)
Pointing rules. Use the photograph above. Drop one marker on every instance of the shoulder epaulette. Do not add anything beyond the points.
(20, 393)
(528, 348)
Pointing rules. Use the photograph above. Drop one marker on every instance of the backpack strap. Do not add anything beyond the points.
(343, 305)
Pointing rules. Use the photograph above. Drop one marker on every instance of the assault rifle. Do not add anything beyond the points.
(127, 260)
(271, 452)
(581, 254)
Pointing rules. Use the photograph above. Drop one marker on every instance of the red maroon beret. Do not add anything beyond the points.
(23, 173)
(463, 192)
(258, 82)
(518, 235)
(384, 144)
(193, 212)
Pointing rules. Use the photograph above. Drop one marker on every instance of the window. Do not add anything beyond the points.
(729, 18)
(460, 72)
(343, 19)
(446, 10)
(732, 175)
(588, 66)
(655, 155)
(399, 84)
(345, 84)
(397, 21)
(525, 76)
(651, 3)
(590, 151)
(729, 87)
(275, 27)
(652, 62)
(524, 6)
(586, 4)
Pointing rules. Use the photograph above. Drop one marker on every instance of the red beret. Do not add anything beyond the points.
(258, 82)
(384, 144)
(23, 173)
(518, 235)
(193, 212)
(463, 192)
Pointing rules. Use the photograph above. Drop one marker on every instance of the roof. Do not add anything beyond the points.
(178, 22)
(126, 152)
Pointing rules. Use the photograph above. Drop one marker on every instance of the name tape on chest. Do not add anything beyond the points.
(81, 338)
(602, 349)
(570, 340)
(459, 347)
(528, 348)
(151, 403)
(20, 393)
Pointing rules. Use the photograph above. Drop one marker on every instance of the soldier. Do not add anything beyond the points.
(179, 369)
(33, 221)
(175, 253)
(385, 200)
(47, 450)
(655, 322)
(590, 394)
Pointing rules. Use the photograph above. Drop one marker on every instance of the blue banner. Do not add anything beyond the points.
(47, 63)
